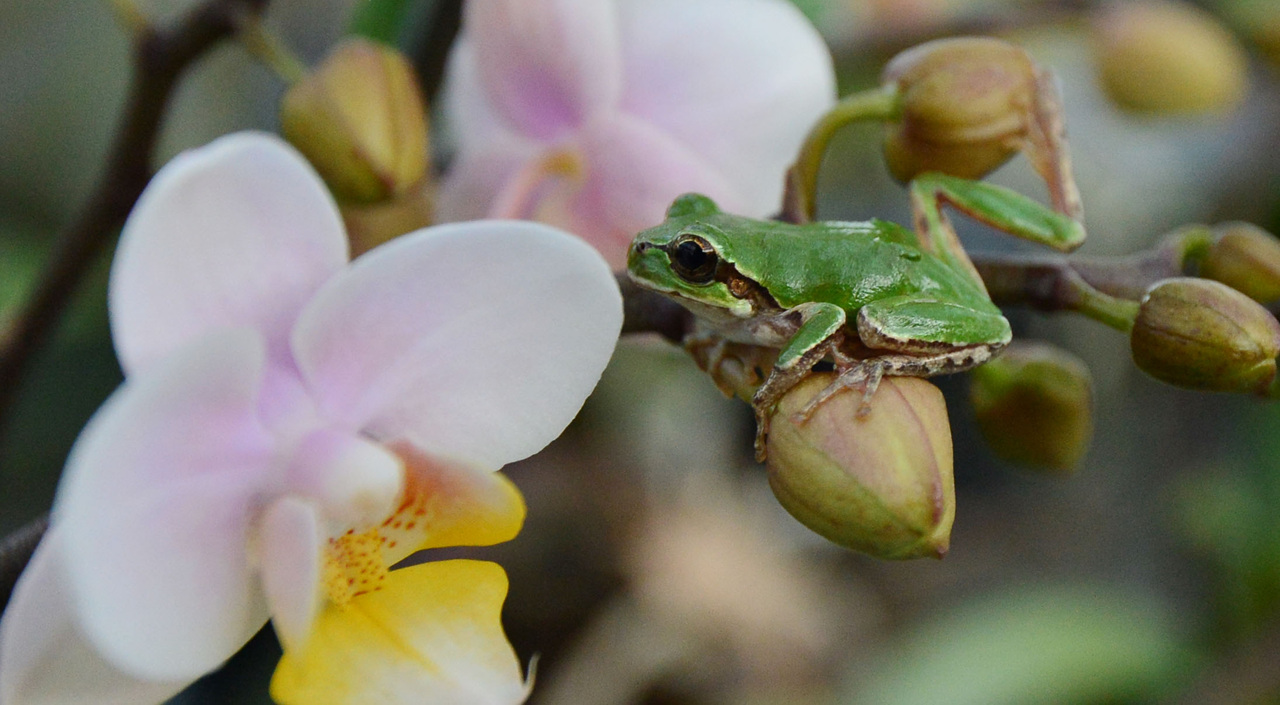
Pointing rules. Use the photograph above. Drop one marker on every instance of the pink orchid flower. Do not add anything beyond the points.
(292, 425)
(594, 115)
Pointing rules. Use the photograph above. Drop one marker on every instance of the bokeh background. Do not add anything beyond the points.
(656, 567)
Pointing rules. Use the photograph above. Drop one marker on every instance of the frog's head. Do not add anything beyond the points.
(684, 258)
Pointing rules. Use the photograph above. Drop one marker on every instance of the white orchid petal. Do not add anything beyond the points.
(238, 233)
(45, 658)
(739, 81)
(477, 341)
(545, 65)
(155, 507)
(290, 543)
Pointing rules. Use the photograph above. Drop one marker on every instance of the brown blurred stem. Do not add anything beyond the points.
(15, 552)
(161, 55)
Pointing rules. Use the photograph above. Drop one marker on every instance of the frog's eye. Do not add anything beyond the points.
(694, 259)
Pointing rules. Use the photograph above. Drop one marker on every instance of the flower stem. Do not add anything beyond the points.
(799, 200)
(268, 48)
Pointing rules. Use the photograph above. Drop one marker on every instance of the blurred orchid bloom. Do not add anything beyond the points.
(594, 115)
(290, 427)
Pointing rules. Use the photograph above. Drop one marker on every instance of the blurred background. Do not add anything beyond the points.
(656, 567)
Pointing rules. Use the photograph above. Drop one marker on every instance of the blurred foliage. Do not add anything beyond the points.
(1064, 643)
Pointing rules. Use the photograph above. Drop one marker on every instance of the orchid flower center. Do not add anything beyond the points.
(355, 481)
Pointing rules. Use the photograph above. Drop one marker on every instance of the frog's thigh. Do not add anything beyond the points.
(920, 325)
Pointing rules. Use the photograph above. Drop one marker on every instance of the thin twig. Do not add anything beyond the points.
(15, 553)
(161, 56)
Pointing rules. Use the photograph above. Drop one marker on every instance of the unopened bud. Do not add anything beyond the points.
(1156, 56)
(1202, 334)
(965, 105)
(1034, 406)
(359, 118)
(1245, 258)
(881, 483)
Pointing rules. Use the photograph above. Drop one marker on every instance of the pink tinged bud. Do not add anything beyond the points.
(1202, 334)
(359, 120)
(1034, 406)
(881, 484)
(965, 107)
(1168, 57)
(1245, 258)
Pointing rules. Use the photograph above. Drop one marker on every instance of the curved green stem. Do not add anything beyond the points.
(799, 201)
(266, 47)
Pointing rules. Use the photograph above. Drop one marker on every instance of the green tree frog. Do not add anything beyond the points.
(872, 297)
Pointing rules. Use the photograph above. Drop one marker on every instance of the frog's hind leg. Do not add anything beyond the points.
(916, 337)
(996, 206)
(866, 375)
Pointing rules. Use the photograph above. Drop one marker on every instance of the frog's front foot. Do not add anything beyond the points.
(863, 376)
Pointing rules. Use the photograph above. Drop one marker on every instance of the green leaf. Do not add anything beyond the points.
(1048, 644)
(379, 20)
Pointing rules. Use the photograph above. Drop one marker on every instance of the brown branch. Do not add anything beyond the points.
(161, 55)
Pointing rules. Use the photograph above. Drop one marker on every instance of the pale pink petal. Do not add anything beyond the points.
(473, 183)
(45, 658)
(238, 233)
(470, 118)
(156, 505)
(740, 82)
(634, 172)
(290, 545)
(477, 341)
(545, 65)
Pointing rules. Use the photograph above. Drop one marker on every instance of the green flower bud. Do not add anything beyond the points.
(881, 484)
(359, 118)
(1034, 406)
(1156, 56)
(1245, 258)
(965, 104)
(1202, 334)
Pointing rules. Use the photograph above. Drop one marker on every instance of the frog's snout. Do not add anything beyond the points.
(638, 249)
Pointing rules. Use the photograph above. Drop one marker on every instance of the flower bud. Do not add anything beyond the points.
(1034, 406)
(1156, 56)
(1202, 334)
(882, 483)
(965, 103)
(359, 119)
(1245, 258)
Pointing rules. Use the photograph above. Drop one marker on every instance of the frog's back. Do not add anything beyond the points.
(848, 264)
